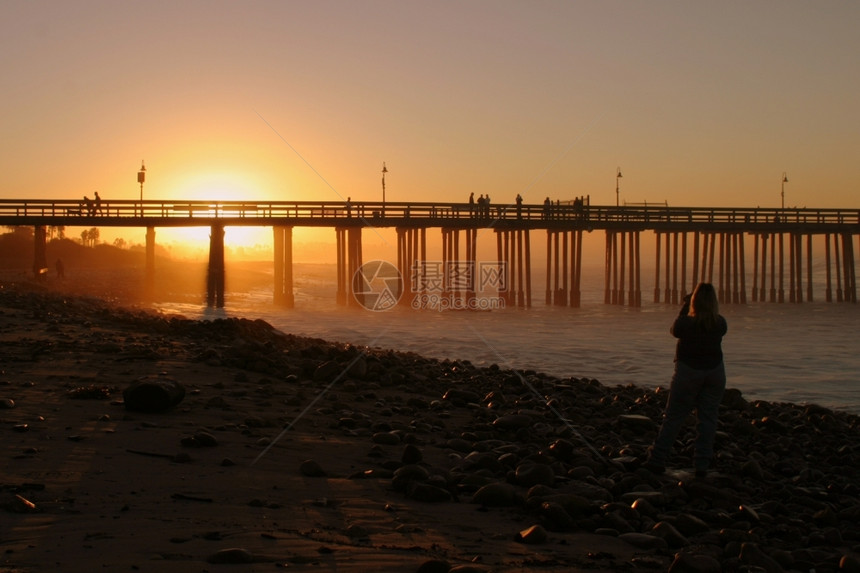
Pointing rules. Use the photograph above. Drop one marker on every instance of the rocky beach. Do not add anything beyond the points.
(135, 441)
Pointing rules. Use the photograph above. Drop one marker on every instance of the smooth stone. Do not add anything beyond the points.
(434, 566)
(849, 564)
(529, 474)
(690, 563)
(408, 474)
(637, 422)
(746, 512)
(358, 368)
(644, 541)
(752, 469)
(460, 397)
(655, 498)
(751, 555)
(672, 536)
(533, 535)
(411, 454)
(327, 371)
(617, 522)
(205, 439)
(496, 494)
(689, 524)
(562, 449)
(153, 395)
(385, 438)
(513, 422)
(311, 468)
(421, 491)
(644, 507)
(459, 445)
(555, 516)
(575, 505)
(231, 555)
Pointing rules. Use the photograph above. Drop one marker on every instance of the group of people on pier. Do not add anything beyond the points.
(479, 208)
(558, 211)
(91, 207)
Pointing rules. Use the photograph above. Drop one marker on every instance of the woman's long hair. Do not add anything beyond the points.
(704, 306)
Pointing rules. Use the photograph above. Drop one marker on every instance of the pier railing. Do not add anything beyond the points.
(370, 213)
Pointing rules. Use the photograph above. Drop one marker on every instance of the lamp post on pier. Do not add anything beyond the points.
(782, 193)
(384, 171)
(617, 195)
(141, 177)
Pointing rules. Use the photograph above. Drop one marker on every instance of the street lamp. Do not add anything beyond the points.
(384, 171)
(617, 196)
(141, 177)
(782, 193)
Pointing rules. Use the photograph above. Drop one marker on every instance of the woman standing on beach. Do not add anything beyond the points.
(698, 382)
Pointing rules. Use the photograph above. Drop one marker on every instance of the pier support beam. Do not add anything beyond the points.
(675, 266)
(450, 255)
(575, 268)
(283, 247)
(849, 270)
(616, 266)
(418, 276)
(657, 269)
(696, 244)
(40, 258)
(828, 286)
(149, 276)
(781, 292)
(472, 262)
(741, 271)
(564, 267)
(772, 267)
(513, 254)
(838, 260)
(349, 260)
(215, 274)
(809, 268)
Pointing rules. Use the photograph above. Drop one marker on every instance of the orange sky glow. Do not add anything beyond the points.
(699, 104)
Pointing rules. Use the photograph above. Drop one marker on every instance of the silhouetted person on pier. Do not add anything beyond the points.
(519, 206)
(472, 204)
(487, 206)
(88, 206)
(698, 382)
(349, 206)
(98, 208)
(547, 207)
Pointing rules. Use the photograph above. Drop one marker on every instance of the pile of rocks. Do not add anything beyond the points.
(563, 454)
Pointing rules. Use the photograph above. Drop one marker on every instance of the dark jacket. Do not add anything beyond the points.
(698, 347)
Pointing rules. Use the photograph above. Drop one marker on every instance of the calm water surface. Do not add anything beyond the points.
(803, 353)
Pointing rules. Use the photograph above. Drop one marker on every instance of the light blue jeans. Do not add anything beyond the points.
(691, 388)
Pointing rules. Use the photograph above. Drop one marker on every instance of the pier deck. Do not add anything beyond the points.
(692, 243)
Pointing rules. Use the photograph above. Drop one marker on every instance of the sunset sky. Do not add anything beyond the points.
(698, 103)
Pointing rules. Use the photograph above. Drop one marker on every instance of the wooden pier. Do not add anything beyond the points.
(693, 244)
